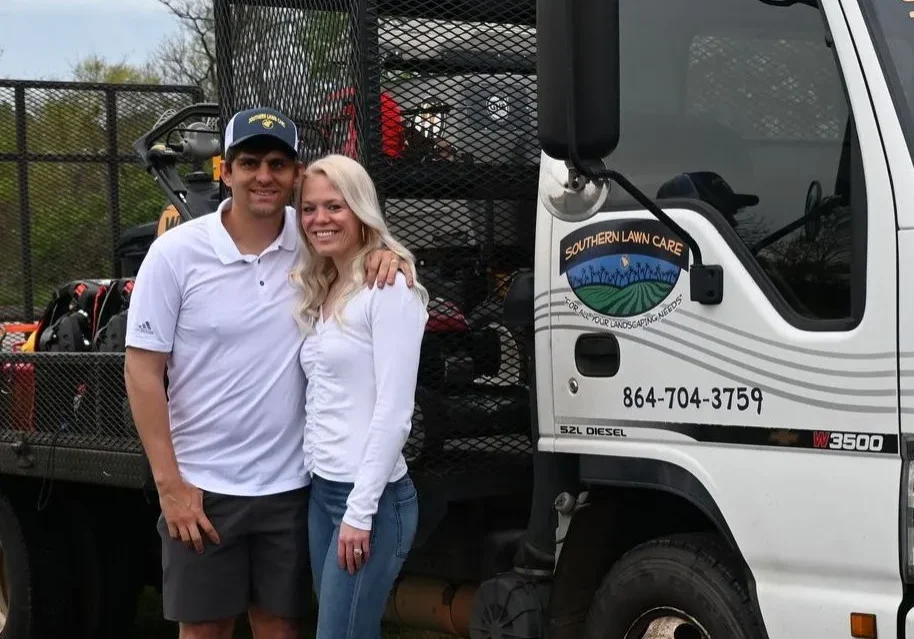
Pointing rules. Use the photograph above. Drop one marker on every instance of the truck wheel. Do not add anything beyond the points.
(4, 590)
(681, 587)
(31, 596)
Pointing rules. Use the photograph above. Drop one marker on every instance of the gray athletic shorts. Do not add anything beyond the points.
(262, 560)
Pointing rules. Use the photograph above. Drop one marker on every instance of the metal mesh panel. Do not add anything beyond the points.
(11, 275)
(70, 187)
(66, 416)
(68, 224)
(438, 101)
(67, 399)
(13, 336)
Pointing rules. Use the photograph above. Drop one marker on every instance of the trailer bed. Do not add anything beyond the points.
(65, 416)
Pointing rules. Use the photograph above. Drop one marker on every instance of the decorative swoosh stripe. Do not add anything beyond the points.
(798, 349)
(827, 372)
(742, 333)
(830, 372)
(890, 391)
(854, 408)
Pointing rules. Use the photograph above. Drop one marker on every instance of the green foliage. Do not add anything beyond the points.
(69, 206)
(97, 69)
(69, 210)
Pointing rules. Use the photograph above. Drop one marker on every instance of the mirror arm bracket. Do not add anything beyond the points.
(706, 281)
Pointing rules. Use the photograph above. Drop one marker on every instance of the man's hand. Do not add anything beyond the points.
(352, 539)
(182, 507)
(382, 266)
(182, 504)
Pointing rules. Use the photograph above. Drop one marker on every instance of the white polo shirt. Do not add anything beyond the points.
(361, 393)
(235, 387)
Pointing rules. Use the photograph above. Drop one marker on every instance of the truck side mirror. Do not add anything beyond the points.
(577, 63)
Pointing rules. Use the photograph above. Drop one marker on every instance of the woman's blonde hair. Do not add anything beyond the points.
(313, 274)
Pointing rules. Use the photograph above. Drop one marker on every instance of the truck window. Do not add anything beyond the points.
(740, 105)
(892, 27)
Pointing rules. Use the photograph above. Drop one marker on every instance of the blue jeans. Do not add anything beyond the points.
(351, 606)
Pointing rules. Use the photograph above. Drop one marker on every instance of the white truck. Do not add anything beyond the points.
(689, 417)
(727, 347)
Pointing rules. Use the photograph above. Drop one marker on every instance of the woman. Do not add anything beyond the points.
(361, 357)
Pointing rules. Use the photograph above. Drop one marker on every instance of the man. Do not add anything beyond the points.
(214, 303)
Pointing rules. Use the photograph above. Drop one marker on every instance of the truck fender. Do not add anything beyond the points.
(629, 501)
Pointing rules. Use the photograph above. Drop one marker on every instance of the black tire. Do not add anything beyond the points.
(693, 574)
(18, 575)
(37, 591)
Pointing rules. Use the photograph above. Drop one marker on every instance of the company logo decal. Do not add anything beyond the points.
(623, 269)
(267, 120)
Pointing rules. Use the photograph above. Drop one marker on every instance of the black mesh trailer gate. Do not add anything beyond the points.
(437, 98)
(71, 190)
(70, 182)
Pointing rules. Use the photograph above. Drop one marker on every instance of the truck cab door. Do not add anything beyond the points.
(753, 128)
(787, 190)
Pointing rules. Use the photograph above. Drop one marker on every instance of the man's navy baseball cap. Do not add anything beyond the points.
(252, 123)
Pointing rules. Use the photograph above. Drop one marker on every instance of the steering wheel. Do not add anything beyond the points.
(812, 223)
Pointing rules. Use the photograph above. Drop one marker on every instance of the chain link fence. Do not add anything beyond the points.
(438, 102)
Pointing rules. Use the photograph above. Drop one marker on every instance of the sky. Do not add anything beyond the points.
(117, 30)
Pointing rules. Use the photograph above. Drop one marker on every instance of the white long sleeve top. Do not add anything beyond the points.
(361, 393)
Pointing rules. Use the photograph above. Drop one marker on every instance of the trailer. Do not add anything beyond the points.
(441, 108)
(663, 390)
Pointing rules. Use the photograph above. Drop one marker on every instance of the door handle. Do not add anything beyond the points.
(597, 355)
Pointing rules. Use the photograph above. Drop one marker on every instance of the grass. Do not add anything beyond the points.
(149, 624)
(623, 302)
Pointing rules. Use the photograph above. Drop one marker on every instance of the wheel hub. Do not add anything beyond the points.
(666, 623)
(4, 591)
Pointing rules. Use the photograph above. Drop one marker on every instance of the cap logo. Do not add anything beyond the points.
(267, 120)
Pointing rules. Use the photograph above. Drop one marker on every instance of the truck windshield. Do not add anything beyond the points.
(892, 27)
(739, 108)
